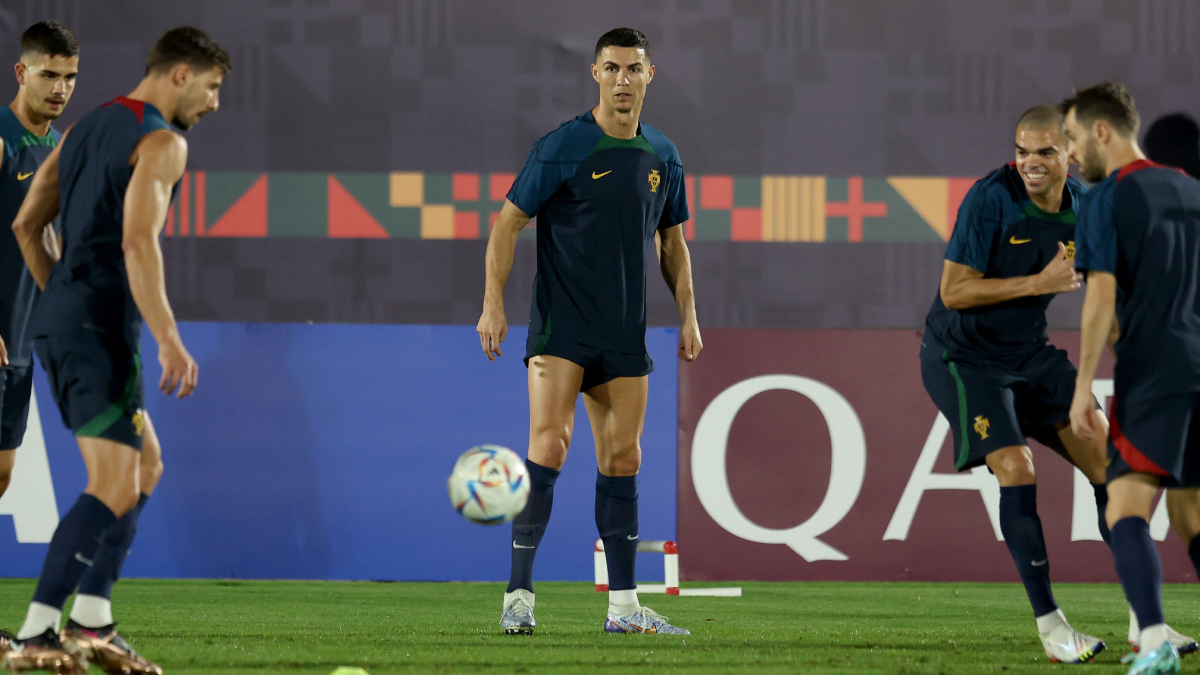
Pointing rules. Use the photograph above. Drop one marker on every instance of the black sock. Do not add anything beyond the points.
(72, 549)
(106, 567)
(1139, 568)
(1101, 492)
(617, 521)
(1022, 531)
(530, 525)
(1194, 554)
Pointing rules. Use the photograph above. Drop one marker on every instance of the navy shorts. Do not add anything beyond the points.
(1002, 404)
(16, 385)
(599, 366)
(1159, 437)
(97, 386)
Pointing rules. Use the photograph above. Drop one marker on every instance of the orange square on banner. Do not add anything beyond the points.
(746, 225)
(499, 184)
(466, 225)
(716, 192)
(465, 187)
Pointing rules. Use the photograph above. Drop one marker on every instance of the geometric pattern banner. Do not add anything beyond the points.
(415, 205)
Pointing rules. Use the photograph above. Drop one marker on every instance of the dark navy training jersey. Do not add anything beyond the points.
(598, 202)
(1002, 233)
(24, 152)
(88, 292)
(1142, 225)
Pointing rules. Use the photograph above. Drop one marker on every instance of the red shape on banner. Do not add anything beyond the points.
(855, 209)
(689, 228)
(464, 187)
(746, 225)
(957, 189)
(716, 192)
(466, 225)
(347, 217)
(248, 215)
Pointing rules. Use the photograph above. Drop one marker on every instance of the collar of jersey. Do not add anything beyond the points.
(606, 142)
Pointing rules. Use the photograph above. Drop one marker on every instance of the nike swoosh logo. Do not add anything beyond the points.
(1038, 563)
(85, 561)
(23, 176)
(600, 175)
(1014, 240)
(632, 537)
(516, 545)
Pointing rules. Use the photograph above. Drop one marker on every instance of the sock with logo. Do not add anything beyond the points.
(530, 525)
(1022, 531)
(1101, 492)
(617, 522)
(1194, 553)
(95, 588)
(72, 549)
(1139, 568)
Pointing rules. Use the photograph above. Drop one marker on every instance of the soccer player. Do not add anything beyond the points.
(116, 172)
(46, 73)
(1139, 244)
(602, 186)
(49, 62)
(988, 364)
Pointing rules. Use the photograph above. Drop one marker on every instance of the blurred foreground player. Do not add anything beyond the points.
(49, 62)
(116, 172)
(988, 364)
(602, 187)
(1139, 243)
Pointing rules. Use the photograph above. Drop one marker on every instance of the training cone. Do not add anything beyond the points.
(347, 670)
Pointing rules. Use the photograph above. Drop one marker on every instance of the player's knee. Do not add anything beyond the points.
(621, 461)
(1183, 508)
(548, 447)
(152, 471)
(1013, 466)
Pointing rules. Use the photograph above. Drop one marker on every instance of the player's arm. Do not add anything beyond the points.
(1095, 328)
(676, 264)
(963, 287)
(160, 160)
(33, 219)
(502, 245)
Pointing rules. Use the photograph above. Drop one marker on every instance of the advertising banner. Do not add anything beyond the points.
(816, 454)
(322, 452)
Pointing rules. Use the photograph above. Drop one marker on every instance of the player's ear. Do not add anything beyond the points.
(1102, 131)
(595, 72)
(19, 71)
(650, 74)
(180, 74)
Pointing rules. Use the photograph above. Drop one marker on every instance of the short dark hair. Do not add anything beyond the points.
(1042, 117)
(623, 37)
(187, 45)
(50, 38)
(1109, 101)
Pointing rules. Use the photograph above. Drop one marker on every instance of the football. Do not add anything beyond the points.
(489, 485)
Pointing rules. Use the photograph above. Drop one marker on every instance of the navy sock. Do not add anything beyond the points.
(72, 549)
(1022, 531)
(1139, 568)
(617, 521)
(106, 567)
(1194, 554)
(530, 525)
(1101, 491)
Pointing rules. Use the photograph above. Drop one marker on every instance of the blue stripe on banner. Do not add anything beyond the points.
(322, 452)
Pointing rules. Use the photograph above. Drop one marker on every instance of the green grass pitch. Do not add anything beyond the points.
(193, 627)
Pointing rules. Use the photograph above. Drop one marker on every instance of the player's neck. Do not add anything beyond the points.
(1124, 152)
(1051, 202)
(33, 122)
(623, 125)
(158, 93)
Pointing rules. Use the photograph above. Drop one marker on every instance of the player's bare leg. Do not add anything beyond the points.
(8, 459)
(617, 412)
(553, 388)
(1022, 529)
(91, 628)
(1091, 458)
(111, 492)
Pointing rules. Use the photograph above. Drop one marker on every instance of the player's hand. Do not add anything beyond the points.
(492, 329)
(689, 340)
(3, 353)
(1083, 414)
(1059, 276)
(179, 369)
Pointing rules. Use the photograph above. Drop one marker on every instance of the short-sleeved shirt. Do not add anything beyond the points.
(88, 293)
(24, 152)
(1002, 233)
(598, 201)
(1142, 225)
